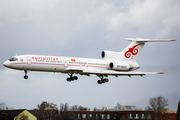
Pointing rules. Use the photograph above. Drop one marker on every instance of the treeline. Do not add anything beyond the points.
(49, 111)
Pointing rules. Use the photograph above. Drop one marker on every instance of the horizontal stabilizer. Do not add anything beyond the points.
(149, 40)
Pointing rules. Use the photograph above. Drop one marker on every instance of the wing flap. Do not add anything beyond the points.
(115, 73)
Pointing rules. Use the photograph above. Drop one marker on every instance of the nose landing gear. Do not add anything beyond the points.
(25, 76)
(71, 78)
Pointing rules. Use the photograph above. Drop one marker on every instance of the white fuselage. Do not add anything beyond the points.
(60, 64)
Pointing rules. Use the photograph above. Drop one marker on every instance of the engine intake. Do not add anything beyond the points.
(110, 55)
(111, 65)
(103, 54)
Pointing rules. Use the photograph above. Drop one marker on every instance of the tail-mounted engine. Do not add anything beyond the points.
(110, 55)
(120, 66)
(116, 64)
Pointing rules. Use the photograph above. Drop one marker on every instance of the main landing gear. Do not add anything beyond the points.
(102, 80)
(25, 76)
(71, 78)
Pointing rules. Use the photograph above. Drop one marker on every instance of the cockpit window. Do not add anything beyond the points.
(13, 59)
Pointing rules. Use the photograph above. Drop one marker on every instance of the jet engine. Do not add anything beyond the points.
(110, 55)
(123, 66)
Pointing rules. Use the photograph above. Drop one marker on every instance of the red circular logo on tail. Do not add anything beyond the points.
(131, 51)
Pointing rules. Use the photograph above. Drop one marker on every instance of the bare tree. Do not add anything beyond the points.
(156, 108)
(2, 106)
(78, 108)
(63, 114)
(178, 111)
(47, 110)
(74, 108)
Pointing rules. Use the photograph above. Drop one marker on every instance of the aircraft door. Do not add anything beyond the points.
(28, 60)
(85, 64)
(65, 62)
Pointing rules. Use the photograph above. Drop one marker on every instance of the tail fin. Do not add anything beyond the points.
(133, 50)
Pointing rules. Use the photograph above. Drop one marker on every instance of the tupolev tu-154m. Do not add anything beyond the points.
(112, 63)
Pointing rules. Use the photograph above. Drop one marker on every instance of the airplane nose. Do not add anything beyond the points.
(6, 63)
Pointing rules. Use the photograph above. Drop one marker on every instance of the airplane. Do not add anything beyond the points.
(112, 63)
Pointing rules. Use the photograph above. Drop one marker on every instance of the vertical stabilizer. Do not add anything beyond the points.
(132, 51)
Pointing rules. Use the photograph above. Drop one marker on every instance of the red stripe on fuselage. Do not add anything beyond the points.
(19, 63)
(46, 63)
(59, 64)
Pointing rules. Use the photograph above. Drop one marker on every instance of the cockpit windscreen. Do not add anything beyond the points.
(13, 59)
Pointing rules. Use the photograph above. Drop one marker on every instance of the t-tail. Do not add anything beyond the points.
(126, 59)
(132, 51)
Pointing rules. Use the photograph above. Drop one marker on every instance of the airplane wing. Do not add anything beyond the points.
(115, 73)
(108, 72)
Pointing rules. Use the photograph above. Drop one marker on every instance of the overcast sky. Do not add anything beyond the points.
(84, 28)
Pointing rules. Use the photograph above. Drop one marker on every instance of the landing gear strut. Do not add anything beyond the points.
(71, 78)
(25, 76)
(102, 80)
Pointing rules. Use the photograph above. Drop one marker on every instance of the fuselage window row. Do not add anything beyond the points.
(48, 61)
(87, 63)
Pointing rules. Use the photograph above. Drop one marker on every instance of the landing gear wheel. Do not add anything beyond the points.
(99, 82)
(103, 81)
(75, 77)
(71, 78)
(106, 80)
(68, 79)
(25, 77)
